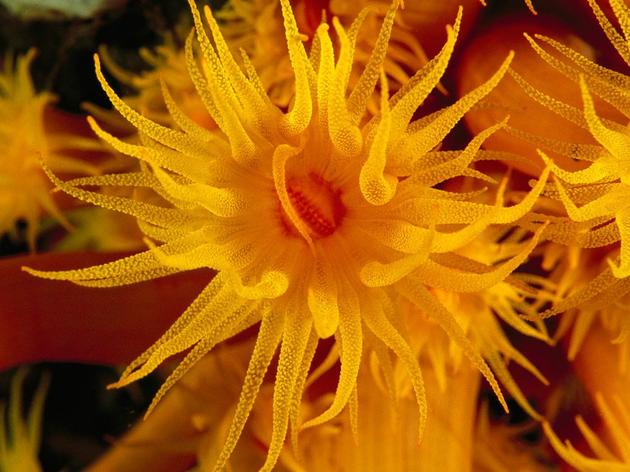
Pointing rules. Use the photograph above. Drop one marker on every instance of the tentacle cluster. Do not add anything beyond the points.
(595, 198)
(617, 420)
(478, 314)
(25, 140)
(167, 64)
(254, 201)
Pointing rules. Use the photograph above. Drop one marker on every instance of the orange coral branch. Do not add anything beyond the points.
(57, 321)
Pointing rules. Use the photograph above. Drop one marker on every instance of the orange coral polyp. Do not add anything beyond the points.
(598, 193)
(357, 192)
(317, 203)
(26, 138)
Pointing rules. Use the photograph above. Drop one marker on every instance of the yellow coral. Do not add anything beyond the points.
(25, 142)
(477, 315)
(250, 26)
(612, 458)
(19, 443)
(405, 54)
(254, 27)
(167, 64)
(383, 437)
(24, 189)
(607, 304)
(499, 447)
(315, 223)
(601, 190)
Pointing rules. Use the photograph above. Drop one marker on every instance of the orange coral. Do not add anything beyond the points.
(29, 134)
(318, 219)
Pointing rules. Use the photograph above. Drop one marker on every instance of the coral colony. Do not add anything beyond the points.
(381, 285)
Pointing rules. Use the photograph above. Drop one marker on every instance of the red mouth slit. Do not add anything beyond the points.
(317, 203)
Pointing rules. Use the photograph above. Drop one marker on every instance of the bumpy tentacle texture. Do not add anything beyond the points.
(405, 54)
(251, 26)
(595, 198)
(254, 27)
(476, 314)
(316, 223)
(601, 301)
(167, 64)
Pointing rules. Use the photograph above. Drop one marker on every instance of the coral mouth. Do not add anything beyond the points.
(318, 204)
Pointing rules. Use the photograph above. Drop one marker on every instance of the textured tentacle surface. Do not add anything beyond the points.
(320, 220)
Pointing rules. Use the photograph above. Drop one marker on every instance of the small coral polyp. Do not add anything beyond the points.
(30, 133)
(24, 190)
(317, 220)
(596, 197)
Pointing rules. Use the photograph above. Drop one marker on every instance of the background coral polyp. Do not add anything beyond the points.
(23, 186)
(32, 132)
